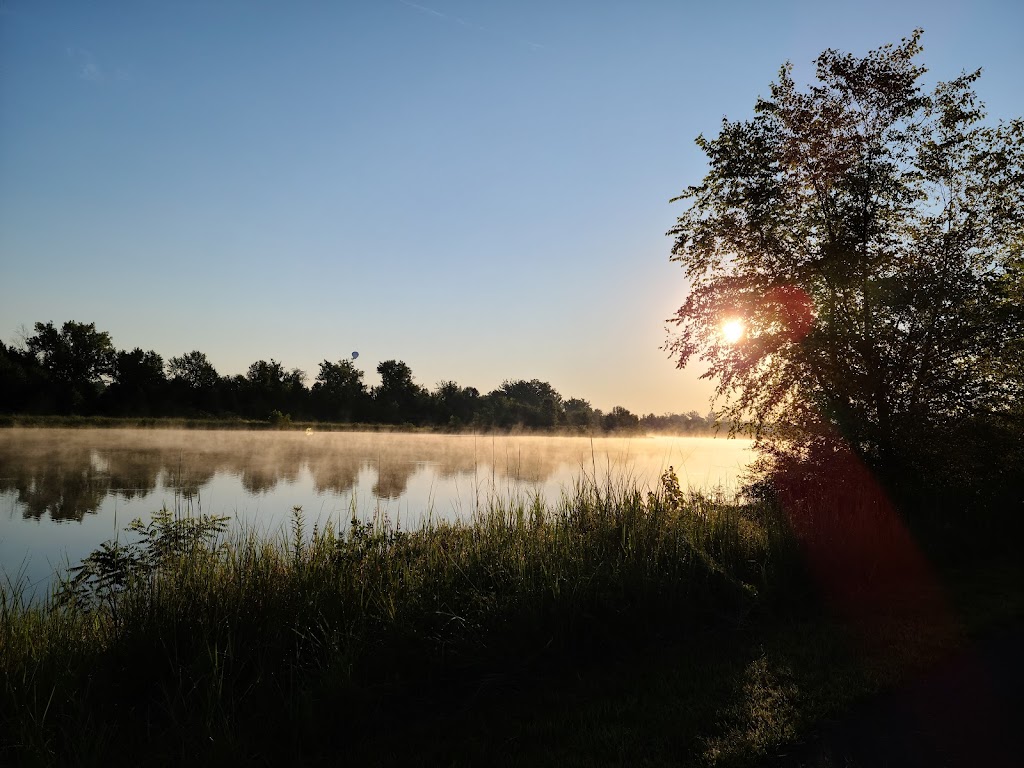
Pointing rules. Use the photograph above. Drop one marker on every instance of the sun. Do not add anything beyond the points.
(732, 331)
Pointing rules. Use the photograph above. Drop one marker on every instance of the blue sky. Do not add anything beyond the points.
(479, 189)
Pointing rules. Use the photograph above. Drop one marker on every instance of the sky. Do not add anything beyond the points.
(479, 189)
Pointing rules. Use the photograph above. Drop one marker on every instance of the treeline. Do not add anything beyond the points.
(76, 369)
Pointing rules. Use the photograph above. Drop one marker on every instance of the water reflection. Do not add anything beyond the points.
(62, 492)
(67, 474)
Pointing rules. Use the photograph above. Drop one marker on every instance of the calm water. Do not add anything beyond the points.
(62, 492)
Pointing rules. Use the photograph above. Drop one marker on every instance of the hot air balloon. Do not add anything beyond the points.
(355, 355)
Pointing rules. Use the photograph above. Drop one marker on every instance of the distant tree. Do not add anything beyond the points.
(532, 403)
(25, 386)
(229, 397)
(195, 383)
(139, 383)
(75, 353)
(579, 413)
(269, 376)
(193, 369)
(674, 423)
(868, 236)
(78, 358)
(270, 387)
(399, 399)
(621, 419)
(339, 394)
(454, 406)
(139, 369)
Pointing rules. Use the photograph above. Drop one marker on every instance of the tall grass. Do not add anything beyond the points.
(190, 643)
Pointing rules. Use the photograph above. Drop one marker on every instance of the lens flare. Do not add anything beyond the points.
(732, 330)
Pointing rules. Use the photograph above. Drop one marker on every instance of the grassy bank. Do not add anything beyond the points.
(286, 423)
(613, 627)
(174, 422)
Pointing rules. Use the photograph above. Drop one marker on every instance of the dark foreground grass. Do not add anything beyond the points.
(615, 627)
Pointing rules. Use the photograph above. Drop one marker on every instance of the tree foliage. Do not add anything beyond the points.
(533, 403)
(194, 370)
(869, 236)
(339, 393)
(455, 406)
(398, 399)
(78, 358)
(138, 383)
(75, 353)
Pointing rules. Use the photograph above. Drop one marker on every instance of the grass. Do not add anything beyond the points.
(614, 626)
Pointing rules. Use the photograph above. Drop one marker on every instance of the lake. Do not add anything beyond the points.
(64, 491)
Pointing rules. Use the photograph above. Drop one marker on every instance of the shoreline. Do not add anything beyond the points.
(8, 421)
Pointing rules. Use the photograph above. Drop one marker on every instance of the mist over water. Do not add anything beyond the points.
(63, 491)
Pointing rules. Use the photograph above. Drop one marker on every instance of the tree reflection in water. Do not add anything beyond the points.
(67, 473)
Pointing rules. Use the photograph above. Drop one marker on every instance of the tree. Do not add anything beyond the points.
(398, 398)
(75, 353)
(454, 406)
(195, 382)
(579, 413)
(621, 419)
(532, 403)
(24, 384)
(139, 382)
(269, 387)
(78, 358)
(193, 369)
(138, 369)
(867, 239)
(339, 393)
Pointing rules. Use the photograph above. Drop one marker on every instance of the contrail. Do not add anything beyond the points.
(468, 24)
(424, 8)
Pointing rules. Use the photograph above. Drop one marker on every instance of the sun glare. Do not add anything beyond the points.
(732, 330)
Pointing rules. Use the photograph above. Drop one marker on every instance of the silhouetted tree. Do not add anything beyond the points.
(270, 387)
(139, 385)
(339, 393)
(454, 406)
(399, 399)
(531, 403)
(579, 414)
(25, 386)
(678, 423)
(79, 360)
(869, 237)
(621, 419)
(194, 370)
(195, 382)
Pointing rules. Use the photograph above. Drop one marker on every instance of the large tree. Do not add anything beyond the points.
(454, 406)
(139, 383)
(270, 386)
(398, 398)
(864, 238)
(339, 393)
(78, 358)
(24, 383)
(532, 403)
(195, 383)
(194, 370)
(77, 353)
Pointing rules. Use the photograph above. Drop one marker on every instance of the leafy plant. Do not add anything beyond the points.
(110, 570)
